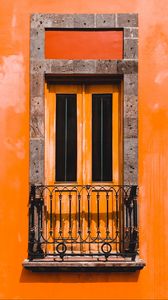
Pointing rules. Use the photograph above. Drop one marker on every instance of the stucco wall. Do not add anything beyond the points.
(150, 283)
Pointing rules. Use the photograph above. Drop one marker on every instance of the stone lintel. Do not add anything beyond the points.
(89, 66)
(83, 21)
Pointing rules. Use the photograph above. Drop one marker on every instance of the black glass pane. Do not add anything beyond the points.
(102, 137)
(66, 137)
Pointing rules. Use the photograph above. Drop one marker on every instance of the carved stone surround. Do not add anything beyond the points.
(127, 68)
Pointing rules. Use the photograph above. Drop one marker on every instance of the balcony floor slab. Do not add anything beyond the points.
(49, 264)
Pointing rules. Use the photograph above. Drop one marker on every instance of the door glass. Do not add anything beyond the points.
(101, 137)
(66, 137)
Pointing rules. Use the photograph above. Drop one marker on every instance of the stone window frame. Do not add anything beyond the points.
(127, 68)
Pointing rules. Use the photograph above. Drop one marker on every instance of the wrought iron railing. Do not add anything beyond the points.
(83, 221)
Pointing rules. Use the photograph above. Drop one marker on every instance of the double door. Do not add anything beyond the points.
(82, 134)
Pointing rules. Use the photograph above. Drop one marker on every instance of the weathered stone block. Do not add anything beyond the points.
(37, 46)
(37, 105)
(130, 106)
(37, 66)
(52, 20)
(130, 48)
(127, 20)
(37, 126)
(130, 161)
(40, 66)
(131, 84)
(41, 21)
(61, 66)
(130, 127)
(34, 33)
(37, 85)
(106, 66)
(37, 161)
(84, 66)
(84, 21)
(127, 67)
(105, 21)
(130, 32)
(34, 21)
(37, 118)
(62, 21)
(47, 66)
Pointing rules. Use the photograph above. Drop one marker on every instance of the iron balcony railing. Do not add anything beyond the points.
(83, 221)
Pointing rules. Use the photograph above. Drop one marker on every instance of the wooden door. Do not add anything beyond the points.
(82, 147)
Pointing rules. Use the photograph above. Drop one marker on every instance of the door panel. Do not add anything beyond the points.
(54, 93)
(96, 91)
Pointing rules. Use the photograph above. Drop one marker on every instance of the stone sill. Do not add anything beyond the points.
(118, 265)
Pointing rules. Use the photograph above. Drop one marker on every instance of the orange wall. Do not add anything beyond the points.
(150, 283)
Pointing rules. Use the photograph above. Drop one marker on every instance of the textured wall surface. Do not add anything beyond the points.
(152, 281)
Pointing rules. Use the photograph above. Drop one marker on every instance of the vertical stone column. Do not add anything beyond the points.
(130, 24)
(37, 103)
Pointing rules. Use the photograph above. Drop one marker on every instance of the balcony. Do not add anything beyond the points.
(89, 227)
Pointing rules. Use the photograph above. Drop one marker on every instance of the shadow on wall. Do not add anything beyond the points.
(77, 277)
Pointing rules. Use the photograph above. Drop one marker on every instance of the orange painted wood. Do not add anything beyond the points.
(84, 44)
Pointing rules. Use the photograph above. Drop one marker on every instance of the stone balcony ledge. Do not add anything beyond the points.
(84, 264)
